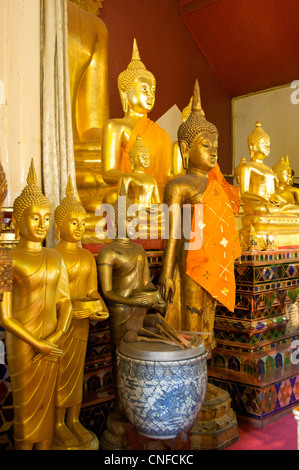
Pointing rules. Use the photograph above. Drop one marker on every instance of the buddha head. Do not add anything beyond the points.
(284, 172)
(198, 138)
(139, 155)
(137, 86)
(70, 217)
(31, 211)
(258, 142)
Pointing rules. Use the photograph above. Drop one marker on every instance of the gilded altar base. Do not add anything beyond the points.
(283, 229)
(256, 357)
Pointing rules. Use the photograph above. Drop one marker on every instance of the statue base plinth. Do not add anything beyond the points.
(283, 229)
(93, 444)
(216, 426)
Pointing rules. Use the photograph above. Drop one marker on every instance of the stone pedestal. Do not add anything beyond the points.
(255, 359)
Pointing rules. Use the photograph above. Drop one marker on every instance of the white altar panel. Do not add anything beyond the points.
(277, 109)
(19, 92)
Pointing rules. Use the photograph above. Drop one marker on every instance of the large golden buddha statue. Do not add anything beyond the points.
(264, 209)
(88, 71)
(195, 276)
(70, 217)
(35, 316)
(137, 88)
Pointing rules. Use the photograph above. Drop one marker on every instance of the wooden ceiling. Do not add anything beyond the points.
(251, 45)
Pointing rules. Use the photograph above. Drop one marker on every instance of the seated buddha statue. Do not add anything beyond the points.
(89, 94)
(140, 187)
(285, 190)
(264, 208)
(35, 316)
(137, 87)
(258, 181)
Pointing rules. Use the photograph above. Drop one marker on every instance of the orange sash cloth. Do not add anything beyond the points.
(212, 266)
(158, 142)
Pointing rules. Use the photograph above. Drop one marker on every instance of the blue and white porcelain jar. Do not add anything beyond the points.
(161, 389)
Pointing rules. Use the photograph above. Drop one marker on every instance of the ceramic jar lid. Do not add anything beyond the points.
(155, 351)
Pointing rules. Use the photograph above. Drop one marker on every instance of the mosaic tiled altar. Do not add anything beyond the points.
(256, 355)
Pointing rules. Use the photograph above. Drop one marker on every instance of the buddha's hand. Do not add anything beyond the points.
(274, 200)
(46, 348)
(145, 299)
(166, 288)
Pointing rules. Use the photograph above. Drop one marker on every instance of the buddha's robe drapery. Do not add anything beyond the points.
(81, 269)
(158, 142)
(36, 297)
(212, 266)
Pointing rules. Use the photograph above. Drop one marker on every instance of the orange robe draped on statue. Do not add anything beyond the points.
(212, 266)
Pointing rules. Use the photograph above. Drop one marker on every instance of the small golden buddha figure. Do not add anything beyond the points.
(194, 277)
(35, 316)
(263, 207)
(89, 94)
(285, 190)
(140, 187)
(137, 87)
(70, 219)
(258, 181)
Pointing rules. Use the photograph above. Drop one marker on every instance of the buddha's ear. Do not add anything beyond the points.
(57, 231)
(124, 100)
(184, 148)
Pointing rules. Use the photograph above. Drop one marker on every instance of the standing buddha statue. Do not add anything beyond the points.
(137, 88)
(70, 219)
(35, 316)
(193, 280)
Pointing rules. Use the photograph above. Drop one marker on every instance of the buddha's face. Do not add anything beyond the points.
(142, 161)
(141, 97)
(72, 227)
(34, 223)
(285, 177)
(262, 147)
(203, 153)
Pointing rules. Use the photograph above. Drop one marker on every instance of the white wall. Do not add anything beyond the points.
(19, 92)
(277, 109)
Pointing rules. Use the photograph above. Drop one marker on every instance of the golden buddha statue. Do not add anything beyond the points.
(125, 282)
(195, 276)
(70, 219)
(285, 190)
(35, 316)
(140, 187)
(137, 88)
(263, 208)
(124, 276)
(89, 90)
